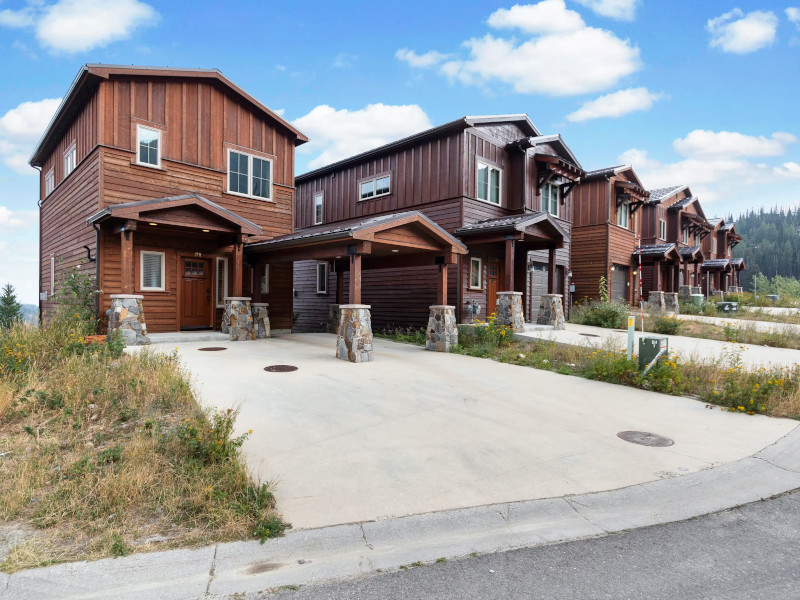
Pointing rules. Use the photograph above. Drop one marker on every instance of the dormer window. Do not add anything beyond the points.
(70, 159)
(148, 144)
(489, 181)
(550, 197)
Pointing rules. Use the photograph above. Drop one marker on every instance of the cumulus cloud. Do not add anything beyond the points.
(16, 220)
(21, 128)
(421, 61)
(741, 33)
(337, 134)
(788, 170)
(71, 26)
(622, 10)
(617, 104)
(793, 14)
(558, 56)
(729, 144)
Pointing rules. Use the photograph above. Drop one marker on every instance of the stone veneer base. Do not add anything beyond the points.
(442, 332)
(671, 303)
(354, 339)
(551, 311)
(260, 320)
(656, 302)
(509, 310)
(127, 315)
(238, 319)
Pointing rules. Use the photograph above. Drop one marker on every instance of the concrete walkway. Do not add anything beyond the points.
(751, 356)
(767, 326)
(773, 310)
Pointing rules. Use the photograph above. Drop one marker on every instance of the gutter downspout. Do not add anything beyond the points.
(96, 271)
(459, 293)
(39, 204)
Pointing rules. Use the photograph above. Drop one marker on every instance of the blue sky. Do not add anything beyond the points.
(703, 93)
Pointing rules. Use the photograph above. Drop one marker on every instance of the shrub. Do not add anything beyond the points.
(666, 325)
(611, 315)
(76, 297)
(209, 438)
(484, 337)
(406, 335)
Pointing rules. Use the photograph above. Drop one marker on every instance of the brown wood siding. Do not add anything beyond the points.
(589, 260)
(590, 203)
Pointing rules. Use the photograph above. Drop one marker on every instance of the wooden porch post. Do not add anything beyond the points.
(509, 266)
(441, 286)
(127, 268)
(237, 266)
(657, 269)
(676, 279)
(551, 270)
(355, 279)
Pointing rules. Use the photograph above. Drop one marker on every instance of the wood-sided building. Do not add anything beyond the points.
(493, 182)
(605, 226)
(721, 271)
(152, 179)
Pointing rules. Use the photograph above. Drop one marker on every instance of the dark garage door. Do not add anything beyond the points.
(619, 283)
(538, 283)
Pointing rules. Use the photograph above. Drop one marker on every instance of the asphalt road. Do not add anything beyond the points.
(752, 552)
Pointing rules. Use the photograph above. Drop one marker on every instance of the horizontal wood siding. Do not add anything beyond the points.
(589, 260)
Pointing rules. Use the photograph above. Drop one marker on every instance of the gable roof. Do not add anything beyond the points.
(654, 249)
(469, 121)
(90, 75)
(558, 141)
(511, 223)
(714, 221)
(682, 203)
(659, 194)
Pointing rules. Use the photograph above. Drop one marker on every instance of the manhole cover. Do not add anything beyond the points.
(212, 349)
(590, 335)
(645, 438)
(280, 368)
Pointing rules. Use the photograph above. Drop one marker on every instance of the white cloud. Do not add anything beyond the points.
(788, 170)
(739, 33)
(622, 10)
(23, 271)
(559, 57)
(548, 16)
(421, 61)
(337, 134)
(793, 14)
(344, 60)
(16, 220)
(731, 144)
(21, 128)
(617, 104)
(80, 25)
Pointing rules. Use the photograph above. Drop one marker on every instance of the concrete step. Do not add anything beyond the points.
(183, 337)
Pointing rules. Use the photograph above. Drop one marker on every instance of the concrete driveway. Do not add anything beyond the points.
(418, 431)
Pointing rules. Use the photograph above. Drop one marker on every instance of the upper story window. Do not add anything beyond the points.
(70, 157)
(49, 182)
(624, 215)
(372, 188)
(249, 175)
(148, 143)
(550, 197)
(662, 229)
(714, 245)
(685, 234)
(318, 208)
(489, 181)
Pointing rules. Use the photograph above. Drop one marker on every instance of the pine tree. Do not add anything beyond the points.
(10, 309)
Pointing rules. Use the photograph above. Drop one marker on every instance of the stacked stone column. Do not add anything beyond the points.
(260, 320)
(509, 310)
(237, 319)
(656, 301)
(127, 315)
(334, 318)
(442, 333)
(551, 311)
(671, 303)
(354, 339)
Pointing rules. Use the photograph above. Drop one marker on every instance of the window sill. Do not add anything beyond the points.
(475, 289)
(147, 166)
(375, 197)
(489, 202)
(248, 196)
(151, 291)
(322, 293)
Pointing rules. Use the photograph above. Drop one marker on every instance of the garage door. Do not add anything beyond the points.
(538, 286)
(619, 283)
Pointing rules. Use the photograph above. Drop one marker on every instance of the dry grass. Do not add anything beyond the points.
(110, 455)
(743, 334)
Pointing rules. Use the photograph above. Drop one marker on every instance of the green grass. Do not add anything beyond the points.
(405, 335)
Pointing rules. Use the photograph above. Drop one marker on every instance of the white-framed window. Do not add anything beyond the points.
(475, 273)
(624, 215)
(372, 188)
(221, 280)
(489, 183)
(49, 182)
(148, 146)
(265, 281)
(550, 197)
(714, 245)
(662, 229)
(322, 278)
(249, 175)
(685, 234)
(317, 208)
(70, 159)
(151, 271)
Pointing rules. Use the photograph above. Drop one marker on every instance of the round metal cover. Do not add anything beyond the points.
(280, 368)
(645, 438)
(212, 349)
(589, 335)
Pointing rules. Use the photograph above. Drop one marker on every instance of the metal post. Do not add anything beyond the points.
(631, 330)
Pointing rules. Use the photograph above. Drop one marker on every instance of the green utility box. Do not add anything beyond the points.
(696, 299)
(649, 347)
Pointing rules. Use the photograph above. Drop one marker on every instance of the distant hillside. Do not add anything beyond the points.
(770, 243)
(30, 313)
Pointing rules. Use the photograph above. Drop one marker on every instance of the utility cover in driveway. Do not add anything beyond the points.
(280, 368)
(645, 438)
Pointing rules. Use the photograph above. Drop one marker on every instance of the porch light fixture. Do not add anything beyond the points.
(153, 224)
(206, 230)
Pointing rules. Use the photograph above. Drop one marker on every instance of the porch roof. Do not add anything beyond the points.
(659, 251)
(738, 264)
(716, 264)
(689, 253)
(134, 211)
(530, 225)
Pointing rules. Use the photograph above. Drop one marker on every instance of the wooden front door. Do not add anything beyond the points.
(196, 294)
(494, 279)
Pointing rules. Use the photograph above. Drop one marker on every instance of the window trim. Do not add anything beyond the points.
(374, 180)
(685, 235)
(316, 271)
(472, 261)
(73, 151)
(485, 162)
(624, 208)
(250, 156)
(160, 146)
(714, 245)
(265, 280)
(321, 196)
(662, 229)
(163, 256)
(50, 177)
(220, 303)
(557, 186)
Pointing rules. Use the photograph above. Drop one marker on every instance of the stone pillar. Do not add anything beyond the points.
(127, 315)
(656, 301)
(354, 340)
(684, 292)
(671, 303)
(551, 311)
(260, 320)
(442, 331)
(697, 289)
(334, 318)
(718, 294)
(509, 310)
(238, 318)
